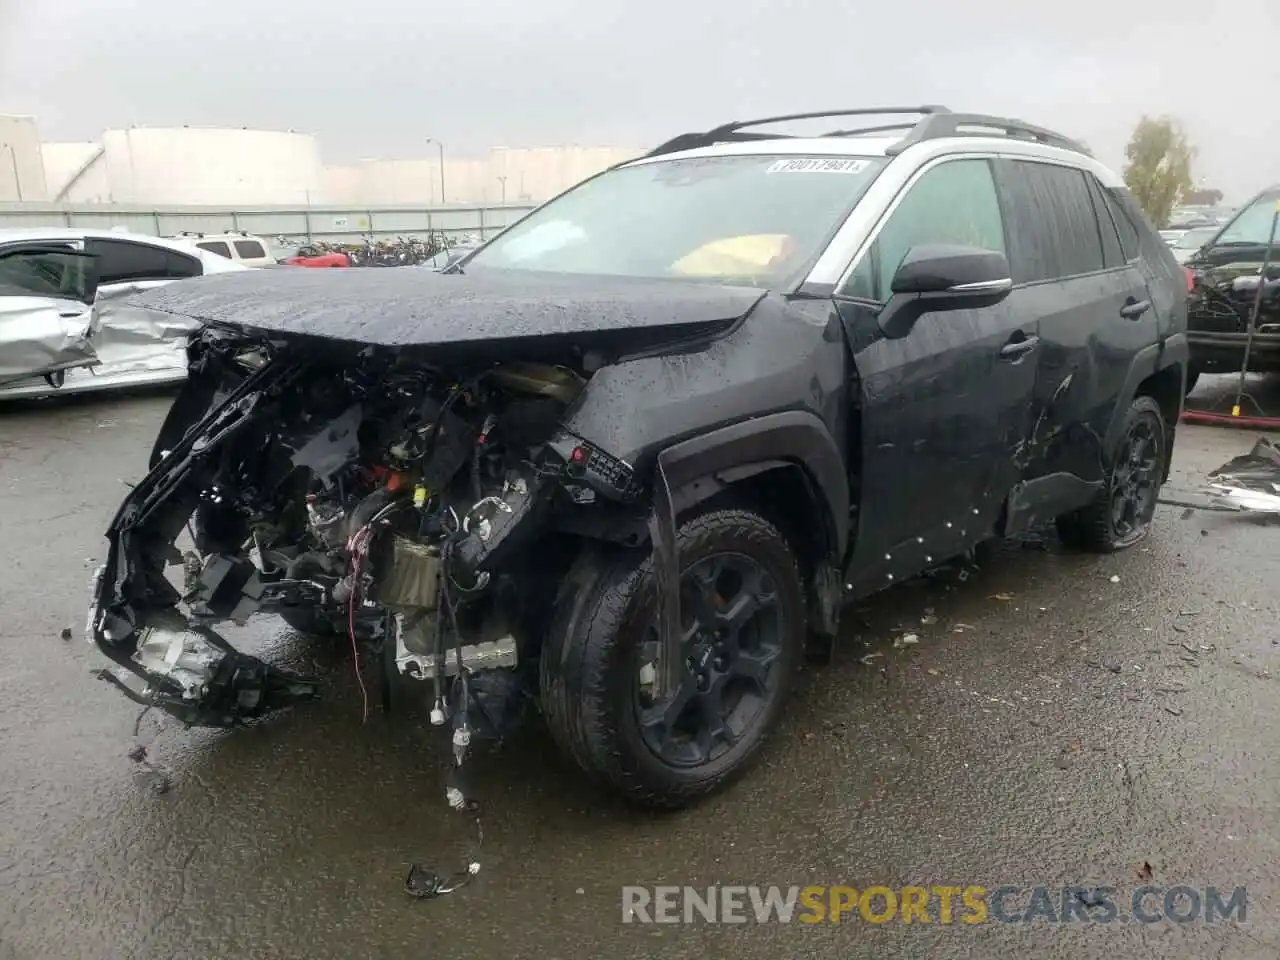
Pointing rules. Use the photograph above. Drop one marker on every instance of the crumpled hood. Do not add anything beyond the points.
(400, 307)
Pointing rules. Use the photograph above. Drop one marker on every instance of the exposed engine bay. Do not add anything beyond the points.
(1223, 298)
(385, 499)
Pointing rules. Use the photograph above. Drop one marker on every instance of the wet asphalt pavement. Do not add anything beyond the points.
(1052, 727)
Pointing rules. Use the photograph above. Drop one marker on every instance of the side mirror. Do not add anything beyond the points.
(943, 277)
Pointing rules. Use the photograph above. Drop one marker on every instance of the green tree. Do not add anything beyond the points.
(1159, 169)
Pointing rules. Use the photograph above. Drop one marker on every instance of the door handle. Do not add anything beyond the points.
(1017, 349)
(68, 314)
(1133, 309)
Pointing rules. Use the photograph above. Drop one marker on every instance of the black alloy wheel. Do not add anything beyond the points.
(743, 625)
(1121, 514)
(732, 644)
(1135, 480)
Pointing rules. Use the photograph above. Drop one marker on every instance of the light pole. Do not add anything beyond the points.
(17, 177)
(439, 146)
(503, 181)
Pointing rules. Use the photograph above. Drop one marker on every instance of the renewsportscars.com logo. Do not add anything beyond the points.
(968, 904)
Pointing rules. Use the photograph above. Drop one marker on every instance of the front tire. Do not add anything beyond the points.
(1121, 514)
(743, 620)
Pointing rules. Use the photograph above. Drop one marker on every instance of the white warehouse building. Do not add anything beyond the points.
(197, 166)
(186, 167)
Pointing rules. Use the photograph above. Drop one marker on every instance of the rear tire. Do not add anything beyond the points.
(739, 575)
(1121, 514)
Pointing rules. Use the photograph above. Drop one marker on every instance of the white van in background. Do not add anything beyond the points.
(243, 248)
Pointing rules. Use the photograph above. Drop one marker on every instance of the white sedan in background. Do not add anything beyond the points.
(64, 325)
(1190, 242)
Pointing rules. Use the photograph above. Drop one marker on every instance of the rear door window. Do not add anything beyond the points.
(122, 261)
(952, 203)
(1053, 233)
(181, 265)
(1112, 252)
(1129, 241)
(249, 250)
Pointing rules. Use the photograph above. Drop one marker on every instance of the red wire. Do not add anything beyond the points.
(351, 631)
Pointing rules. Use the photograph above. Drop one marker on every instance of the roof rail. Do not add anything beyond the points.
(949, 124)
(733, 131)
(935, 122)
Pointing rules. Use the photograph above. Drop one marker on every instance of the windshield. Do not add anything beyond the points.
(1194, 239)
(1253, 225)
(753, 220)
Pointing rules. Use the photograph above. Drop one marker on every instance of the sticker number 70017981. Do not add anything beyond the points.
(817, 165)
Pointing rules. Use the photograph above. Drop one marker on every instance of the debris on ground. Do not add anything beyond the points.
(1111, 667)
(1180, 615)
(1173, 710)
(160, 782)
(907, 639)
(1001, 596)
(962, 627)
(1115, 578)
(1249, 483)
(1145, 872)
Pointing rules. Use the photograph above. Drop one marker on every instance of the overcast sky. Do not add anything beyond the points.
(373, 78)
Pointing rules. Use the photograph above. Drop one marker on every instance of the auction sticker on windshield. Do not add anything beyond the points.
(818, 165)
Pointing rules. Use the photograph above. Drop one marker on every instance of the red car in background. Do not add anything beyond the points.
(311, 257)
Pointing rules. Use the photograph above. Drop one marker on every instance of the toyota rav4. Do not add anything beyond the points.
(634, 453)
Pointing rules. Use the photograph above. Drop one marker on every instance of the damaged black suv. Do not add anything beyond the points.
(1229, 293)
(633, 453)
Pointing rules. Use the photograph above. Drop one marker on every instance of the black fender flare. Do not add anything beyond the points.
(1151, 359)
(768, 442)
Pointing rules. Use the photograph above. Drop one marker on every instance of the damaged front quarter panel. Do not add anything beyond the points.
(734, 406)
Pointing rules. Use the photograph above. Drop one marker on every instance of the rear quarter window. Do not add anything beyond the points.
(1154, 252)
(216, 246)
(249, 250)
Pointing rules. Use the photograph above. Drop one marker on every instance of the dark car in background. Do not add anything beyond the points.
(1226, 273)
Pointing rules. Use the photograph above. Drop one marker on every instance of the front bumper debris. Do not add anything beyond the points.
(161, 657)
(192, 673)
